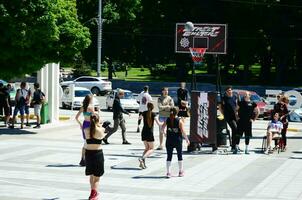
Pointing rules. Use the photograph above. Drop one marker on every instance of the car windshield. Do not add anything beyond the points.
(128, 95)
(3, 82)
(255, 98)
(173, 93)
(82, 93)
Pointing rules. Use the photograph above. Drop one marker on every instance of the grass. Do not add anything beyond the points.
(135, 74)
(144, 74)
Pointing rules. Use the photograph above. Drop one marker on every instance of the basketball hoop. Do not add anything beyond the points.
(197, 54)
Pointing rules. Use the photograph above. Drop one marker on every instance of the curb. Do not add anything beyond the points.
(294, 129)
(61, 117)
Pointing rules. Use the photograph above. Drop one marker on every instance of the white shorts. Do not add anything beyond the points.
(37, 109)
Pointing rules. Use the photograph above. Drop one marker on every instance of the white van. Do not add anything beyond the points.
(73, 97)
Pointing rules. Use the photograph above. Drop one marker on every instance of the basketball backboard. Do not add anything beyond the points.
(210, 36)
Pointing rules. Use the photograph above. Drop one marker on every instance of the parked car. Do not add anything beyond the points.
(254, 98)
(76, 101)
(128, 102)
(295, 115)
(97, 85)
(269, 107)
(299, 90)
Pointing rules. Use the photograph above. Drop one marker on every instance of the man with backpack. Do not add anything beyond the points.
(38, 98)
(20, 99)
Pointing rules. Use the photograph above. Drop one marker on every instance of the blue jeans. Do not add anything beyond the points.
(17, 109)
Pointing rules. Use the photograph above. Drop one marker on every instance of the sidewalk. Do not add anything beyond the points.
(44, 165)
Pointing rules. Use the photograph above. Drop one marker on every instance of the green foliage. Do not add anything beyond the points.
(81, 70)
(116, 11)
(120, 28)
(162, 70)
(36, 32)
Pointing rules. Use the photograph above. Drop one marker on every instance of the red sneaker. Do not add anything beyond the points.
(94, 195)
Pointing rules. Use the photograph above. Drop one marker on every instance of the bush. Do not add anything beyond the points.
(158, 70)
(81, 70)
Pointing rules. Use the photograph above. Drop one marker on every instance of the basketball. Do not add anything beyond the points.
(189, 26)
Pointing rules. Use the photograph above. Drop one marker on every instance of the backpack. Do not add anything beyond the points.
(38, 97)
(22, 100)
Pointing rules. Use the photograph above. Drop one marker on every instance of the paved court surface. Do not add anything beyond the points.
(43, 165)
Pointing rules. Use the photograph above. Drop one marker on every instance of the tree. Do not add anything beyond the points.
(36, 32)
(119, 28)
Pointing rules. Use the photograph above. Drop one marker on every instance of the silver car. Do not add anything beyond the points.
(128, 102)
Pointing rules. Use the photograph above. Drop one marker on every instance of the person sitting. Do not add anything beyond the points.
(274, 129)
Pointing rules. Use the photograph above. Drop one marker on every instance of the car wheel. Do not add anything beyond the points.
(63, 105)
(95, 91)
(136, 111)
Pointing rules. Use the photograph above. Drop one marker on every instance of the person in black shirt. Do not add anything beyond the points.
(38, 98)
(118, 118)
(4, 103)
(229, 105)
(174, 133)
(182, 100)
(147, 133)
(248, 112)
(282, 110)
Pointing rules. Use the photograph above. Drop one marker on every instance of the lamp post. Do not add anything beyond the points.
(99, 40)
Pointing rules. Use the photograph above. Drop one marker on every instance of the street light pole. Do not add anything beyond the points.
(99, 40)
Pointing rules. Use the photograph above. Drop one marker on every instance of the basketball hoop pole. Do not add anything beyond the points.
(193, 85)
(218, 80)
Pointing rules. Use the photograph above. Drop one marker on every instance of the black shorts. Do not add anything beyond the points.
(6, 110)
(94, 162)
(149, 137)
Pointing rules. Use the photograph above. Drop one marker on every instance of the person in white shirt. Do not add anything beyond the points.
(21, 100)
(274, 129)
(143, 98)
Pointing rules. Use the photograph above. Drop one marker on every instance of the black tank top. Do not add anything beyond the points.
(173, 132)
(93, 141)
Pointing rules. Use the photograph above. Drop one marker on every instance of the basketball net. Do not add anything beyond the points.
(197, 54)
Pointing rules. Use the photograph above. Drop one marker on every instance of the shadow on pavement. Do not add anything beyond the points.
(63, 165)
(15, 131)
(126, 168)
(124, 155)
(52, 198)
(136, 149)
(296, 158)
(296, 151)
(149, 177)
(288, 137)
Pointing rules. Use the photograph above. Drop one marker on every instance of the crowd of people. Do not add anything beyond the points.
(95, 132)
(23, 99)
(240, 113)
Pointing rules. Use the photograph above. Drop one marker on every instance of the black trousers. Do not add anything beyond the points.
(170, 145)
(246, 128)
(283, 134)
(234, 128)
